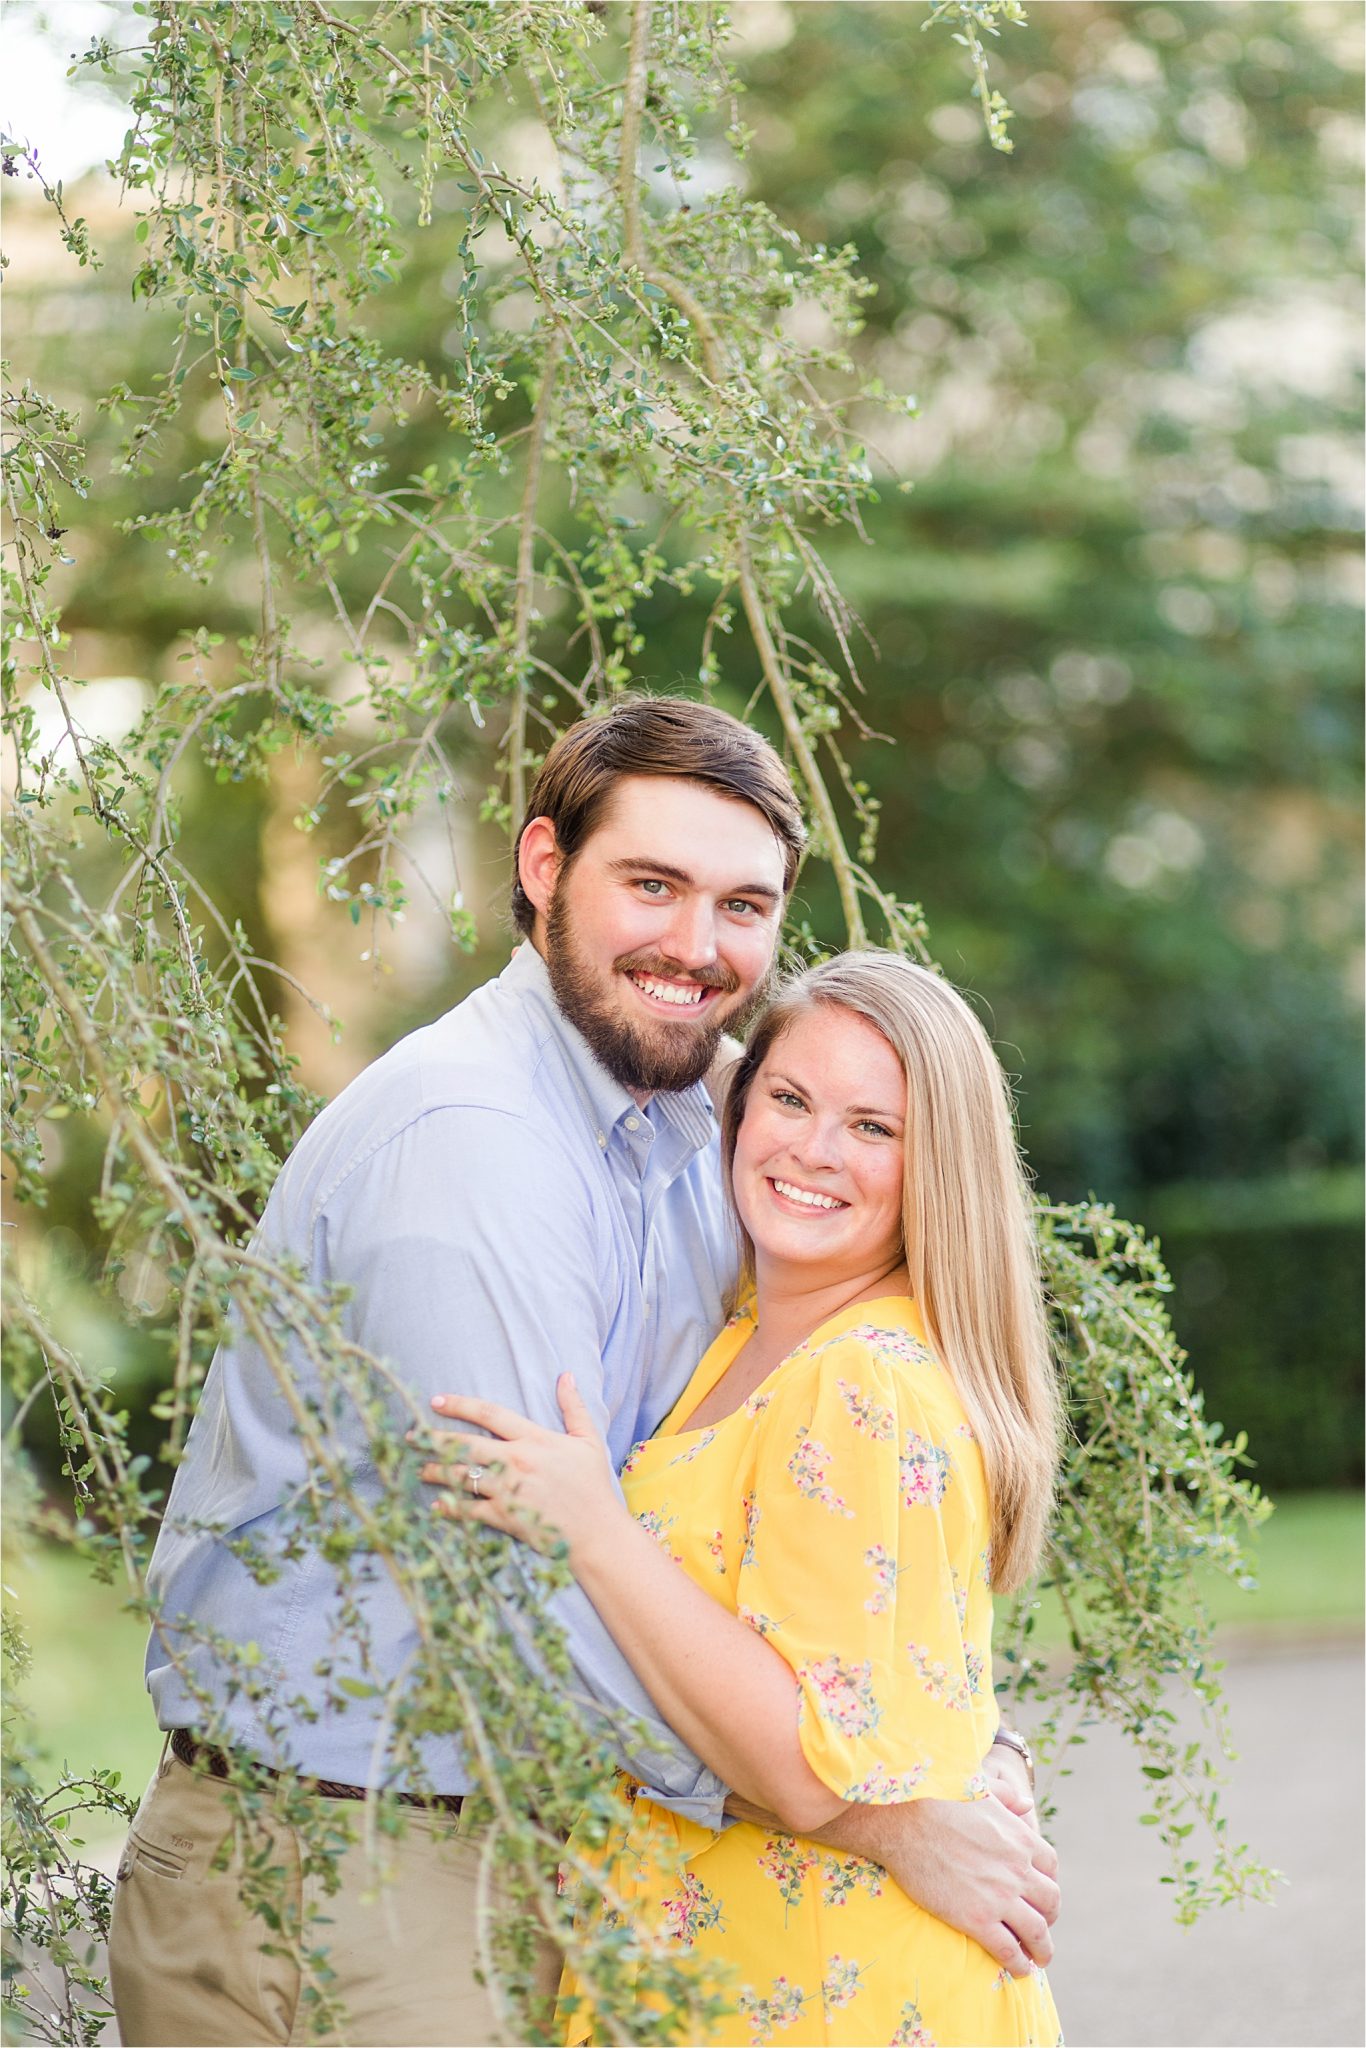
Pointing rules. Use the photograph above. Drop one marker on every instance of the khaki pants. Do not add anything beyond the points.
(186, 1959)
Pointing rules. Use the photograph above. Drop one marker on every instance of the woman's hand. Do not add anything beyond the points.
(532, 1483)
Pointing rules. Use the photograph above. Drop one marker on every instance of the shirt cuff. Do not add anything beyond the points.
(704, 1804)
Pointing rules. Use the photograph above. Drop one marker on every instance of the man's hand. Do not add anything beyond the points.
(978, 1864)
(983, 1868)
(981, 1865)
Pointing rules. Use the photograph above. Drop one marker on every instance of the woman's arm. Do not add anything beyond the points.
(726, 1691)
(730, 1696)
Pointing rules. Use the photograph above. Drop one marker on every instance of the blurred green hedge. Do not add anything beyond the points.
(1268, 1302)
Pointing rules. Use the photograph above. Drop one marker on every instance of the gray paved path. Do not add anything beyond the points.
(1252, 1977)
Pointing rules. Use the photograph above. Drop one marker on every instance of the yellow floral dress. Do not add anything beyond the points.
(842, 1512)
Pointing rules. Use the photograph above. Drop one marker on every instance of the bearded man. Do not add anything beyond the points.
(529, 1185)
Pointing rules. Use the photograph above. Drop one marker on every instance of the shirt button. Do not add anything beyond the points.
(633, 1123)
(602, 1139)
(647, 1308)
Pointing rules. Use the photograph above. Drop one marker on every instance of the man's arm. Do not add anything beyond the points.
(974, 1863)
(469, 1247)
(981, 1865)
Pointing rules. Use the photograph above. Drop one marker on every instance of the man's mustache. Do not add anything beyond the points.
(714, 975)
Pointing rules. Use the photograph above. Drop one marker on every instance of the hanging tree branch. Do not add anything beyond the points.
(832, 844)
(641, 405)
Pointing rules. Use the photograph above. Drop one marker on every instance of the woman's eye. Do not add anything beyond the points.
(788, 1099)
(874, 1130)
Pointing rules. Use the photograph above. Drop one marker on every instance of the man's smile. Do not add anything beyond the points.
(662, 992)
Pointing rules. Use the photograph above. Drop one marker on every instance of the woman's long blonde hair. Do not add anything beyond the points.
(969, 1239)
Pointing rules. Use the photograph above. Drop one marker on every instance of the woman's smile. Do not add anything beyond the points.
(810, 1199)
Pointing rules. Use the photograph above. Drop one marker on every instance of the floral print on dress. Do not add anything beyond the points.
(692, 1910)
(871, 1418)
(873, 1602)
(882, 1787)
(1003, 1978)
(882, 1563)
(844, 1694)
(655, 1523)
(911, 2031)
(883, 1342)
(788, 1860)
(950, 1688)
(842, 1876)
(707, 1437)
(808, 1465)
(924, 1470)
(840, 1983)
(784, 2005)
(749, 1507)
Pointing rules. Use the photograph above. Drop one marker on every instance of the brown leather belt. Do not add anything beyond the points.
(202, 1756)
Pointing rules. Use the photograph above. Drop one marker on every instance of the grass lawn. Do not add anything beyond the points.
(1309, 1564)
(84, 1691)
(86, 1695)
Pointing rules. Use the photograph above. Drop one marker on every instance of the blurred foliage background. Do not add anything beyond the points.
(1113, 612)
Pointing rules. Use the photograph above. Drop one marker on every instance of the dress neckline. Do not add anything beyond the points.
(719, 1355)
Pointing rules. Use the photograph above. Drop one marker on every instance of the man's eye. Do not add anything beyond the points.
(653, 886)
(739, 906)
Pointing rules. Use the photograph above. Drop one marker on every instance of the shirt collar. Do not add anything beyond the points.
(688, 1111)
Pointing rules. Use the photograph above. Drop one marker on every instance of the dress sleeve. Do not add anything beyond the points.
(850, 1574)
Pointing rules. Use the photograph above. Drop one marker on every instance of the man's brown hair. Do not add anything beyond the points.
(672, 736)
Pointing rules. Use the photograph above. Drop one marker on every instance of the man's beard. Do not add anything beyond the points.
(642, 1056)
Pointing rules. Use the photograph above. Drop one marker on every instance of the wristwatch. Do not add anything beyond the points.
(1009, 1739)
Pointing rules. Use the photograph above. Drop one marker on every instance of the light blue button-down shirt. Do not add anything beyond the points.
(502, 1211)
